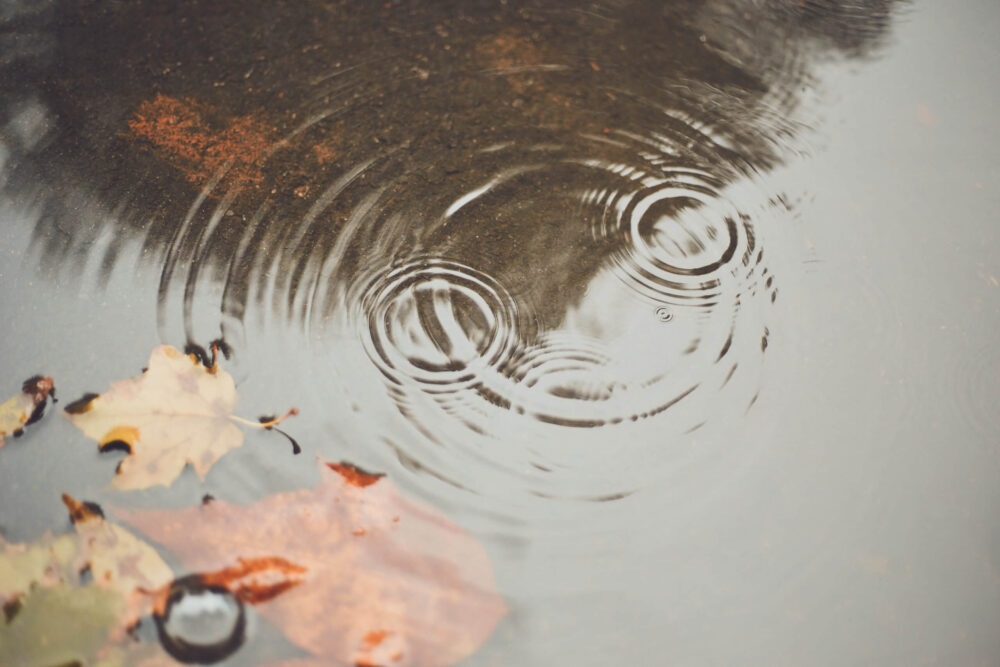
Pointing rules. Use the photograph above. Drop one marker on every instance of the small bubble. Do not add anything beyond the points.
(663, 314)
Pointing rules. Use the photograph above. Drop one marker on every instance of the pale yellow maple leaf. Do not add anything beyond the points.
(47, 562)
(117, 559)
(177, 412)
(98, 553)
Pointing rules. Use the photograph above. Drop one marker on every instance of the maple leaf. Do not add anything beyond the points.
(179, 411)
(379, 580)
(27, 407)
(58, 625)
(94, 583)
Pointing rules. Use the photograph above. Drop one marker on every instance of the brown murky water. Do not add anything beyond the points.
(684, 311)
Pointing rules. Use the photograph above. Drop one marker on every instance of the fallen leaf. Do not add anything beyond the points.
(179, 411)
(65, 597)
(27, 407)
(381, 580)
(60, 625)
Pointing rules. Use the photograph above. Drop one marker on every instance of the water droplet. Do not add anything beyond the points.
(201, 624)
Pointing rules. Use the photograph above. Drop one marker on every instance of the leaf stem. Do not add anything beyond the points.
(268, 424)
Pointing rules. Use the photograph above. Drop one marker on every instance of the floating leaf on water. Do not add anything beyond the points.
(179, 411)
(64, 597)
(59, 625)
(26, 407)
(377, 579)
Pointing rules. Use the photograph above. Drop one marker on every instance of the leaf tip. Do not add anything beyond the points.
(39, 387)
(82, 404)
(119, 439)
(81, 511)
(200, 356)
(354, 475)
(12, 607)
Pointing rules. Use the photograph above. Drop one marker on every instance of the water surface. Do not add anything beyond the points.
(684, 310)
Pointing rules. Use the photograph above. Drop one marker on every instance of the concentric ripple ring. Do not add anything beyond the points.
(438, 324)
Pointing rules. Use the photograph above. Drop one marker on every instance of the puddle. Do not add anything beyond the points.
(672, 323)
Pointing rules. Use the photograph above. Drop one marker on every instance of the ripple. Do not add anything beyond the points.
(558, 294)
(975, 390)
(438, 324)
(526, 293)
(681, 240)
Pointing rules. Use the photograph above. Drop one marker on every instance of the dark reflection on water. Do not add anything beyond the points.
(545, 232)
(504, 202)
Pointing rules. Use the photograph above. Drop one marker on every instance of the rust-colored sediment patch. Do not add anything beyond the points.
(507, 53)
(329, 148)
(508, 49)
(199, 140)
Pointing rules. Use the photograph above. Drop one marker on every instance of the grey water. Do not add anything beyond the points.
(687, 311)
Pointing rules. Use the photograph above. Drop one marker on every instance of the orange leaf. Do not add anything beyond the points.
(378, 579)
